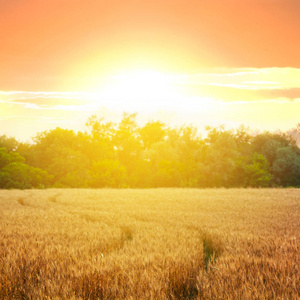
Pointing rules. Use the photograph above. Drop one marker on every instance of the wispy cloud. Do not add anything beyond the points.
(225, 84)
(249, 78)
(49, 100)
(33, 94)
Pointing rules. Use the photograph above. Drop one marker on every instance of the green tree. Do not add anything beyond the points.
(128, 145)
(14, 173)
(283, 156)
(10, 143)
(9, 157)
(151, 133)
(219, 156)
(107, 173)
(164, 162)
(252, 172)
(61, 153)
(127, 139)
(286, 167)
(100, 135)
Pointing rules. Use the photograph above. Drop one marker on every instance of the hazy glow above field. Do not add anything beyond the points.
(184, 62)
(264, 99)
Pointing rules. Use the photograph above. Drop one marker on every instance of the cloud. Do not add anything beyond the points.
(50, 102)
(245, 78)
(243, 84)
(11, 95)
(291, 94)
(221, 84)
(231, 94)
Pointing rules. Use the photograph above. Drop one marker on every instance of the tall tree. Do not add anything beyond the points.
(61, 153)
(14, 173)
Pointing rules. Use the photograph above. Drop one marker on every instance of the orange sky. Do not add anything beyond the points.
(71, 46)
(42, 40)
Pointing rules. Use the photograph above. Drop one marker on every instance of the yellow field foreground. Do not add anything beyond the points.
(150, 244)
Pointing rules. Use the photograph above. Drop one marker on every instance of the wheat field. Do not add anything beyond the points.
(150, 244)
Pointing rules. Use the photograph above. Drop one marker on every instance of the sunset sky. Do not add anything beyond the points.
(204, 62)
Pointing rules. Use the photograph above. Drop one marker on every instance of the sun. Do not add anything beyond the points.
(137, 88)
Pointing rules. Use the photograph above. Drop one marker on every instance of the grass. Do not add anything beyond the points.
(150, 244)
(21, 201)
(212, 248)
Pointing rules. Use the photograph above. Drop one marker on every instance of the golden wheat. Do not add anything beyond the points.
(150, 244)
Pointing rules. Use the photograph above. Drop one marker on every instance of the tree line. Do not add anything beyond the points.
(153, 155)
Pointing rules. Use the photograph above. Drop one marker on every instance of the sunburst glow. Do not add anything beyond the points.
(139, 87)
(201, 62)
